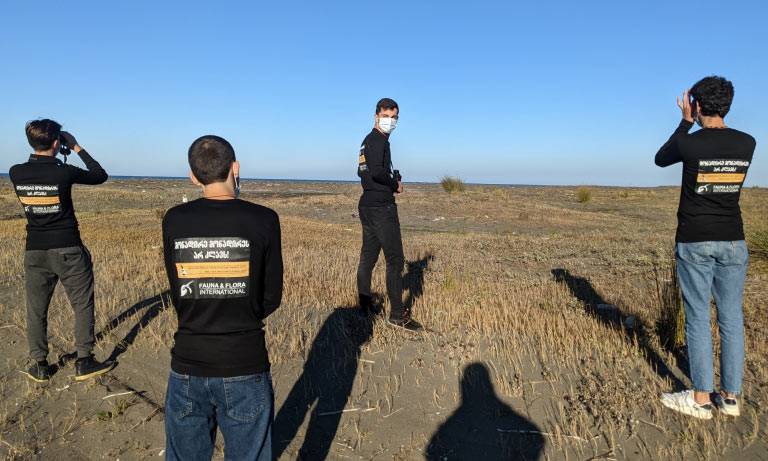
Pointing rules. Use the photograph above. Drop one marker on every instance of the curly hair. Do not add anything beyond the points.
(714, 94)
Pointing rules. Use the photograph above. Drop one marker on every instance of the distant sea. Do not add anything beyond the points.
(245, 179)
(356, 181)
(326, 181)
(183, 178)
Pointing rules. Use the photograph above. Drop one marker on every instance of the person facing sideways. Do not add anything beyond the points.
(225, 268)
(710, 251)
(54, 251)
(378, 216)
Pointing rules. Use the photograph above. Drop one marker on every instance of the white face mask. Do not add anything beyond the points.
(387, 124)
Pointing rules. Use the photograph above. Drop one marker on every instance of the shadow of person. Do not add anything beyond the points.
(327, 379)
(152, 307)
(583, 290)
(413, 280)
(484, 427)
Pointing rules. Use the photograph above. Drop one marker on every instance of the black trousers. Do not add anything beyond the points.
(381, 231)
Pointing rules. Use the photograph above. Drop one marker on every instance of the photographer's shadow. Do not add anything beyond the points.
(484, 427)
(327, 379)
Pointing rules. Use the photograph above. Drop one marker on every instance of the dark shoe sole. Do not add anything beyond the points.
(404, 326)
(33, 378)
(95, 373)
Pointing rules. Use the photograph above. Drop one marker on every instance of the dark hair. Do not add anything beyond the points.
(386, 103)
(714, 94)
(42, 133)
(210, 158)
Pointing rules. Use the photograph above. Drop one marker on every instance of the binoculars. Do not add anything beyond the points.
(63, 147)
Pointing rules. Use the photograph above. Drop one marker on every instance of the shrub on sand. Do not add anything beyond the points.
(453, 184)
(583, 194)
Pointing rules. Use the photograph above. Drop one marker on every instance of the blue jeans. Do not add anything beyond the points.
(242, 406)
(713, 269)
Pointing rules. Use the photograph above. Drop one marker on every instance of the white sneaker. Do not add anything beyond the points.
(683, 402)
(726, 406)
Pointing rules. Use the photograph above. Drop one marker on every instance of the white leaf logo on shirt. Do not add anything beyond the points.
(186, 289)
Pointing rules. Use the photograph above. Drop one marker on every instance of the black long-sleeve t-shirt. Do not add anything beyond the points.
(225, 267)
(44, 187)
(375, 170)
(715, 163)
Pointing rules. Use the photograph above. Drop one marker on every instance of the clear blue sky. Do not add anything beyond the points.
(562, 93)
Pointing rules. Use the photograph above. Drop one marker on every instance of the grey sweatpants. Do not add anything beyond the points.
(43, 269)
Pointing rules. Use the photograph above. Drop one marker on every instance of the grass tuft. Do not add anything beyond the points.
(758, 243)
(453, 184)
(583, 194)
(670, 325)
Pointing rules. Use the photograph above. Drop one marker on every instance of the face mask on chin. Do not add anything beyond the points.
(387, 124)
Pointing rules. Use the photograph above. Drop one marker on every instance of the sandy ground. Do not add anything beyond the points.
(522, 358)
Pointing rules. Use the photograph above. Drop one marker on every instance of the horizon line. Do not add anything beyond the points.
(351, 181)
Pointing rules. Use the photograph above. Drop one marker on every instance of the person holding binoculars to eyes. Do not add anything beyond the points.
(54, 251)
(710, 250)
(378, 216)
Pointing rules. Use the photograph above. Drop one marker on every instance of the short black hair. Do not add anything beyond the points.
(714, 94)
(42, 133)
(386, 103)
(210, 158)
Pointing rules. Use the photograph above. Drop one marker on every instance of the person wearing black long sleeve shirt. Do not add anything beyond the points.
(710, 252)
(375, 171)
(225, 269)
(54, 250)
(715, 163)
(379, 218)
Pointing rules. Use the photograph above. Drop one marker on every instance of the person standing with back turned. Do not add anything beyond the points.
(710, 251)
(54, 251)
(225, 268)
(378, 216)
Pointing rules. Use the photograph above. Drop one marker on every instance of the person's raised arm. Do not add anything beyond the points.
(273, 271)
(93, 174)
(669, 154)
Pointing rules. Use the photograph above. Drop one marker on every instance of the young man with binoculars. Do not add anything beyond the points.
(54, 251)
(710, 250)
(378, 216)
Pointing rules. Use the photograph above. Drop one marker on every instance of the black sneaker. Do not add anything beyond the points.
(88, 367)
(405, 321)
(39, 372)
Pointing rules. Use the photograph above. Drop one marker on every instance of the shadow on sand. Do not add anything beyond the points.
(413, 280)
(151, 306)
(330, 371)
(583, 290)
(484, 427)
(327, 379)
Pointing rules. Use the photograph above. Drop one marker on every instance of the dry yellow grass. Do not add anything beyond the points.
(510, 278)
